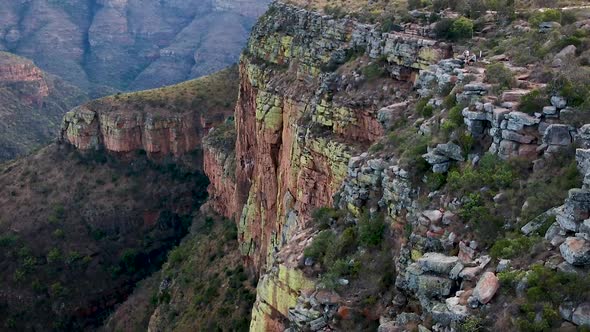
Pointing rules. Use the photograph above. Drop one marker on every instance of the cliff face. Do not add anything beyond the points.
(168, 122)
(99, 45)
(298, 123)
(31, 105)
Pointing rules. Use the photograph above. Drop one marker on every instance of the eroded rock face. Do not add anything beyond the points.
(129, 131)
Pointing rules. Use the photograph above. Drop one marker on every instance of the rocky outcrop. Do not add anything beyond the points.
(128, 131)
(219, 164)
(152, 122)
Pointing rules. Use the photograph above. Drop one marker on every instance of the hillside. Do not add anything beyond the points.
(32, 104)
(79, 228)
(107, 45)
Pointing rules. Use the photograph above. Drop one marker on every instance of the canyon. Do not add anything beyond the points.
(361, 176)
(102, 46)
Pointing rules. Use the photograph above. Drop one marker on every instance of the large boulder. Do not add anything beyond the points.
(576, 251)
(486, 287)
(581, 316)
(437, 263)
(557, 134)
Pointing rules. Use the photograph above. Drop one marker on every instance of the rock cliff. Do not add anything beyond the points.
(392, 133)
(99, 45)
(167, 122)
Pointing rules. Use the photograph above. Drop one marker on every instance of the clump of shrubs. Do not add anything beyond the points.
(498, 74)
(533, 102)
(492, 172)
(512, 246)
(454, 29)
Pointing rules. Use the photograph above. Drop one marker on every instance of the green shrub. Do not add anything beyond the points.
(492, 172)
(324, 215)
(371, 229)
(472, 324)
(373, 71)
(442, 28)
(497, 73)
(54, 256)
(512, 246)
(456, 116)
(435, 181)
(320, 244)
(548, 15)
(461, 28)
(8, 240)
(335, 11)
(509, 279)
(427, 111)
(533, 102)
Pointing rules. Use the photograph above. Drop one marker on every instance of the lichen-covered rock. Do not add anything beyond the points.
(437, 263)
(576, 251)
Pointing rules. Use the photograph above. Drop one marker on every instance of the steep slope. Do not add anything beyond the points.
(131, 44)
(80, 226)
(32, 104)
(382, 183)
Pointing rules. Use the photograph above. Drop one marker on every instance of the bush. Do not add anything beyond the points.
(54, 256)
(548, 15)
(456, 116)
(533, 102)
(442, 28)
(492, 172)
(371, 229)
(461, 28)
(373, 71)
(323, 216)
(320, 244)
(512, 246)
(497, 73)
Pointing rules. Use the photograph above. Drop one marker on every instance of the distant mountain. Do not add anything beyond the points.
(99, 45)
(32, 104)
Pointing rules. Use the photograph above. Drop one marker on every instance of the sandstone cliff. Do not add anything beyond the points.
(316, 92)
(164, 123)
(32, 104)
(101, 45)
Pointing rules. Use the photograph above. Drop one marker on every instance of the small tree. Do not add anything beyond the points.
(462, 28)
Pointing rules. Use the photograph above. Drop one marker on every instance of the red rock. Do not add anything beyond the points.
(344, 312)
(486, 287)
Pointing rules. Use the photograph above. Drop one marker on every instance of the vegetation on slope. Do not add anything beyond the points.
(209, 94)
(203, 286)
(26, 125)
(77, 231)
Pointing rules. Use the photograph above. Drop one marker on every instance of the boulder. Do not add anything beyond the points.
(550, 110)
(437, 263)
(453, 151)
(518, 120)
(545, 27)
(567, 51)
(503, 265)
(576, 251)
(559, 102)
(557, 134)
(486, 287)
(434, 216)
(466, 253)
(581, 316)
(431, 285)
